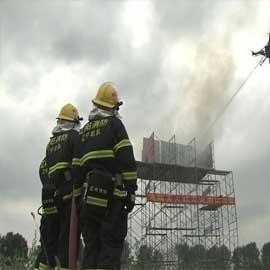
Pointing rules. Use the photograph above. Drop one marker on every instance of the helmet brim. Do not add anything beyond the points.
(65, 118)
(102, 103)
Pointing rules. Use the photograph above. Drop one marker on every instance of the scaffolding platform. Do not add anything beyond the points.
(214, 201)
(210, 208)
(174, 173)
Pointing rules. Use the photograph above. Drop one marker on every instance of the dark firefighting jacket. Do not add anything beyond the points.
(105, 146)
(62, 156)
(49, 223)
(48, 194)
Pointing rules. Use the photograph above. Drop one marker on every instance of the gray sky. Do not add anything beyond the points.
(175, 64)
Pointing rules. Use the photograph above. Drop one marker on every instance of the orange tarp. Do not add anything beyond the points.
(189, 199)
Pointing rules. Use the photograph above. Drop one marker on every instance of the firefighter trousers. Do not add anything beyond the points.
(63, 238)
(104, 237)
(55, 235)
(49, 231)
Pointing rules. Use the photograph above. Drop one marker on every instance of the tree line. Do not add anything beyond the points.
(197, 257)
(15, 254)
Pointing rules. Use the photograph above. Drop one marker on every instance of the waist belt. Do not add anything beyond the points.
(117, 178)
(102, 172)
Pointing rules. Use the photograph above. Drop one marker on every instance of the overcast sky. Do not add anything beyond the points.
(175, 63)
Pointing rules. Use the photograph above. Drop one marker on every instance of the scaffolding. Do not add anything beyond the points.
(182, 199)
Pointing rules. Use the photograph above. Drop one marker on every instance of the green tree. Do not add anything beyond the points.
(157, 260)
(251, 256)
(238, 258)
(182, 252)
(144, 257)
(218, 258)
(224, 258)
(212, 256)
(13, 245)
(197, 256)
(13, 251)
(149, 259)
(266, 256)
(126, 258)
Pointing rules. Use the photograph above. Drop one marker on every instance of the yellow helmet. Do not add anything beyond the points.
(70, 113)
(107, 96)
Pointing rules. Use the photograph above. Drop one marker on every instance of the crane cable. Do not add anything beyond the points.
(231, 99)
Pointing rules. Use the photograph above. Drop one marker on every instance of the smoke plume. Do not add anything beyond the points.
(207, 90)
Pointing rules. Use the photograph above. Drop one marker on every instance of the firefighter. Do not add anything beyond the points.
(109, 174)
(62, 157)
(49, 224)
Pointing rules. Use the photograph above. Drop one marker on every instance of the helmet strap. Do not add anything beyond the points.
(118, 104)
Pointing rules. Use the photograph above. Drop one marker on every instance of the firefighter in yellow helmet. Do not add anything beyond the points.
(107, 97)
(109, 173)
(63, 173)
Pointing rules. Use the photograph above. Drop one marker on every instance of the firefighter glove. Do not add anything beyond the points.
(130, 202)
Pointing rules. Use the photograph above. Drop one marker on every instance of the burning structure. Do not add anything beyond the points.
(182, 199)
